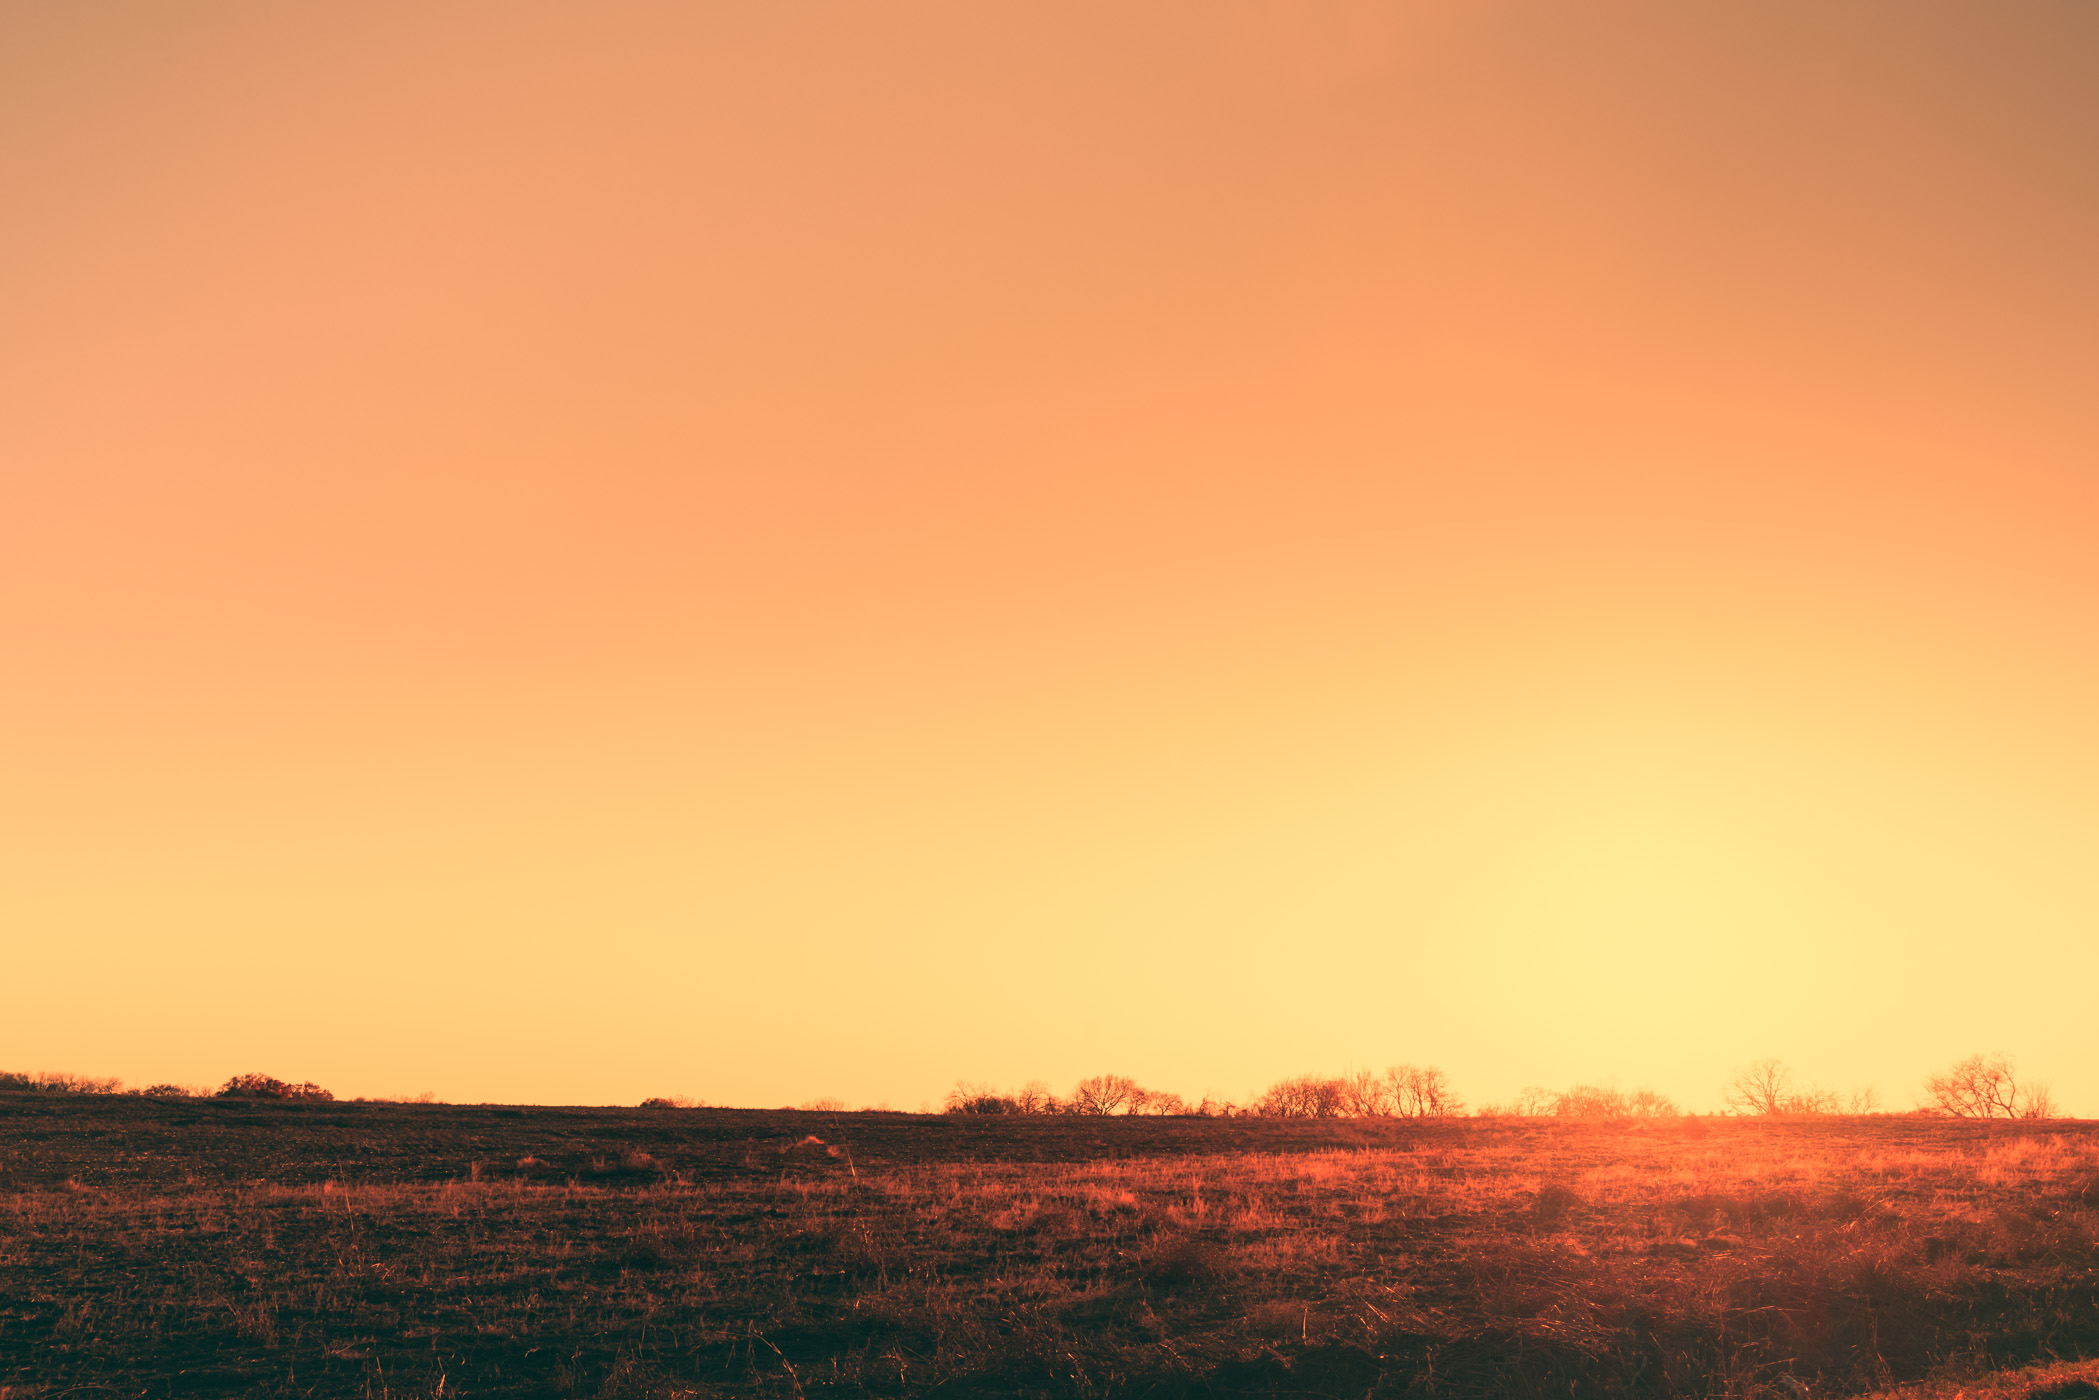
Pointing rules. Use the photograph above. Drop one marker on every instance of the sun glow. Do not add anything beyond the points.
(730, 553)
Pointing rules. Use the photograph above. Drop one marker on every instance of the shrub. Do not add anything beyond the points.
(1809, 1102)
(1554, 1199)
(967, 1098)
(263, 1086)
(981, 1104)
(1597, 1102)
(1646, 1103)
(1534, 1101)
(1590, 1101)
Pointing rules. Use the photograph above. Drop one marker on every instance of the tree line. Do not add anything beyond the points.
(1981, 1086)
(1400, 1091)
(241, 1086)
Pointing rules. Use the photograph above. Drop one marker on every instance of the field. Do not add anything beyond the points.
(155, 1247)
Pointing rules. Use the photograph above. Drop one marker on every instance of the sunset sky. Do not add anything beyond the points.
(761, 550)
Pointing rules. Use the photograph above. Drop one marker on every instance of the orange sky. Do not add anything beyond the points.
(767, 550)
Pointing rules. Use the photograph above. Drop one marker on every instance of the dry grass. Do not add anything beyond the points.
(1470, 1260)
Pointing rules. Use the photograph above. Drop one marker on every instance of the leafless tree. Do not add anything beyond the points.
(1760, 1087)
(1305, 1096)
(1103, 1094)
(963, 1093)
(1366, 1094)
(1984, 1086)
(1532, 1101)
(1646, 1103)
(1589, 1101)
(1422, 1091)
(1863, 1100)
(1766, 1088)
(1812, 1101)
(1035, 1097)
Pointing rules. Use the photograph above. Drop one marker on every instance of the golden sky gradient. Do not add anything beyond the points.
(761, 550)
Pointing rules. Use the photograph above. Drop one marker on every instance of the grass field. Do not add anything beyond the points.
(199, 1247)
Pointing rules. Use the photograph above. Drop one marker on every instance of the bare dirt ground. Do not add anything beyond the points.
(194, 1247)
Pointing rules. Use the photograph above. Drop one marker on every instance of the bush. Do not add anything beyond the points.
(981, 1103)
(1590, 1101)
(262, 1086)
(1646, 1103)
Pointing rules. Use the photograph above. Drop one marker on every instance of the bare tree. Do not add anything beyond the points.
(1646, 1103)
(1422, 1091)
(1863, 1100)
(1035, 1097)
(1766, 1088)
(1760, 1087)
(1103, 1094)
(1590, 1101)
(963, 1092)
(1366, 1094)
(1984, 1086)
(1305, 1096)
(1532, 1101)
(1812, 1101)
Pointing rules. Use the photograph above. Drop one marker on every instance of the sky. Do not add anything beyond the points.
(775, 550)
